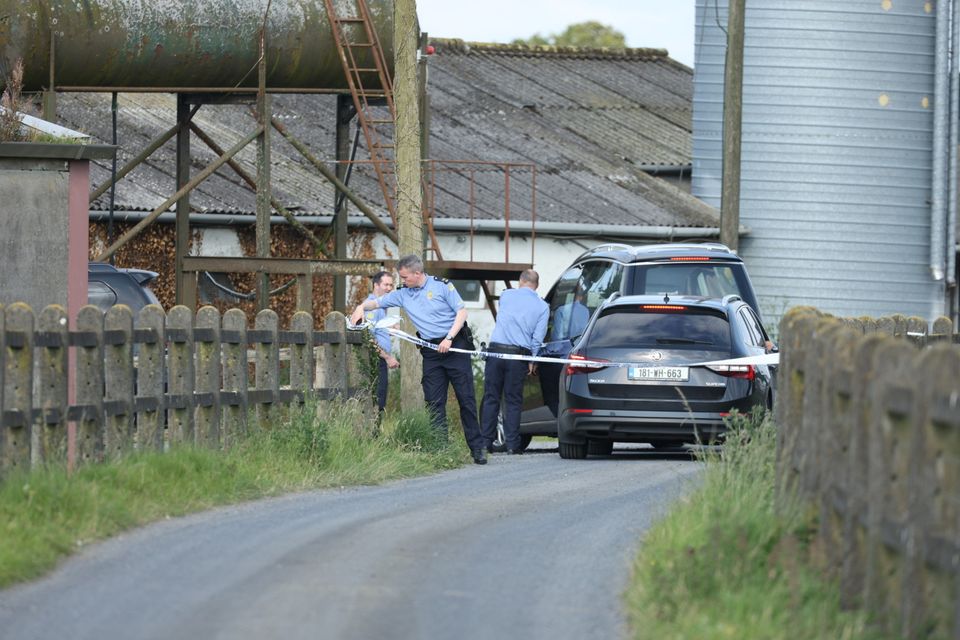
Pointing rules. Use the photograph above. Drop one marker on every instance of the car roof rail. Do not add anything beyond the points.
(731, 297)
(611, 245)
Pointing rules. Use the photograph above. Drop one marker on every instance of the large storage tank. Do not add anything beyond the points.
(180, 45)
(836, 150)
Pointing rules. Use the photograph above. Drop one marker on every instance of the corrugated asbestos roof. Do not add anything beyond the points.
(589, 119)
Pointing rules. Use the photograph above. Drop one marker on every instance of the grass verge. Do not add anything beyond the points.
(728, 563)
(46, 515)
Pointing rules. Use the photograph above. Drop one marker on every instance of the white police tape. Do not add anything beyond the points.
(389, 322)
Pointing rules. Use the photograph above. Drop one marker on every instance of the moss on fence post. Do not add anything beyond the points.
(119, 382)
(235, 377)
(17, 388)
(52, 376)
(181, 376)
(207, 345)
(90, 386)
(150, 379)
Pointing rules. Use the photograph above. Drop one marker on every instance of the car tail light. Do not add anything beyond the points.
(745, 371)
(580, 411)
(573, 367)
(689, 259)
(663, 307)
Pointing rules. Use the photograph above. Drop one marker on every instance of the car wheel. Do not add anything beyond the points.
(599, 447)
(573, 451)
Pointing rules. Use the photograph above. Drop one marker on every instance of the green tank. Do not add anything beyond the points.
(180, 45)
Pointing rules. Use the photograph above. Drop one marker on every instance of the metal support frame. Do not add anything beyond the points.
(304, 270)
(183, 203)
(345, 112)
(263, 173)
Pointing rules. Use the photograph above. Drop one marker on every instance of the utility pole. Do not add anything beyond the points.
(732, 126)
(409, 200)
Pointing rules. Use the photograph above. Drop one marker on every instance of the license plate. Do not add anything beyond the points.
(659, 374)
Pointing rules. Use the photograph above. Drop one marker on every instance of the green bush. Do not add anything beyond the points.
(414, 431)
(728, 562)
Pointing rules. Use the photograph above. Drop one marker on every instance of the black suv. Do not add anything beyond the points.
(708, 270)
(667, 382)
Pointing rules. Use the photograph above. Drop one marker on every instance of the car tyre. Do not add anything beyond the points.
(573, 450)
(599, 447)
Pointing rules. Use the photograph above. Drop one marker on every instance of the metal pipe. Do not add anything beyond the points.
(113, 169)
(951, 230)
(940, 137)
(453, 225)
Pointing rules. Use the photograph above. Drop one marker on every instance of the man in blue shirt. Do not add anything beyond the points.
(438, 313)
(521, 324)
(382, 285)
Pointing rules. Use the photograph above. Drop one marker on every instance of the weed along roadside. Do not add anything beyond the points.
(47, 515)
(727, 563)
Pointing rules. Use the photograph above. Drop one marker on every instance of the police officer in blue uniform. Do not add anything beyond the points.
(382, 285)
(521, 325)
(438, 313)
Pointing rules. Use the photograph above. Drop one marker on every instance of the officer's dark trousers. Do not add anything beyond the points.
(503, 377)
(440, 370)
(382, 384)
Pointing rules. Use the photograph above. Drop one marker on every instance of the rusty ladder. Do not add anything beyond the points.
(354, 35)
(358, 80)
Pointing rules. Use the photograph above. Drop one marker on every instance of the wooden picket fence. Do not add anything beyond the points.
(868, 413)
(158, 379)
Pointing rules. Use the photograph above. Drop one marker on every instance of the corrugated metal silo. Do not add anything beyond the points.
(836, 150)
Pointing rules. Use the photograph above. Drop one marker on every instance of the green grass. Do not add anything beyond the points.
(46, 515)
(725, 563)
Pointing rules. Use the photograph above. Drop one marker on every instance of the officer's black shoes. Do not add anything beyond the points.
(490, 448)
(479, 457)
(514, 452)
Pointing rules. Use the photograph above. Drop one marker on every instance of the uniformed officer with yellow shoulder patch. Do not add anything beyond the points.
(438, 313)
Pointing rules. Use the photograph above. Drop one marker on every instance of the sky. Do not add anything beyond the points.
(645, 23)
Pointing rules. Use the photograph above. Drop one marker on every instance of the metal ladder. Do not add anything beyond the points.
(354, 35)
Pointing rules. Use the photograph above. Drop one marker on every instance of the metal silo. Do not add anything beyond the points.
(836, 151)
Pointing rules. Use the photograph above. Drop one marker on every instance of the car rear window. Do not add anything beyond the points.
(706, 279)
(693, 328)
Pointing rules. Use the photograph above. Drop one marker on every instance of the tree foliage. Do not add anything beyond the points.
(582, 34)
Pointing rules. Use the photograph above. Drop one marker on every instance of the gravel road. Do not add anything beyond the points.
(526, 547)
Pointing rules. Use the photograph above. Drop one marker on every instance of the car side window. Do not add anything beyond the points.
(600, 280)
(567, 295)
(754, 330)
(757, 325)
(100, 295)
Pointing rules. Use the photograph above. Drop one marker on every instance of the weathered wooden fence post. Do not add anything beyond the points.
(180, 376)
(935, 499)
(234, 396)
(887, 481)
(52, 378)
(834, 440)
(119, 382)
(334, 354)
(17, 388)
(90, 385)
(267, 367)
(151, 377)
(862, 410)
(301, 354)
(207, 343)
(790, 392)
